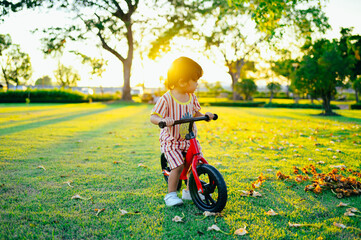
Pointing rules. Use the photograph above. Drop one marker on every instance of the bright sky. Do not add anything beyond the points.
(345, 13)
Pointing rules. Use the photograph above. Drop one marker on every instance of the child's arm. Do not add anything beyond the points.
(199, 114)
(155, 119)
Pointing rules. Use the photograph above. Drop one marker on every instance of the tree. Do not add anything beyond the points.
(222, 24)
(247, 87)
(15, 65)
(322, 69)
(357, 86)
(274, 88)
(214, 89)
(350, 46)
(286, 67)
(66, 76)
(111, 22)
(44, 81)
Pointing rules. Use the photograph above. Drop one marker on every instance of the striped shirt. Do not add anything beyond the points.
(172, 138)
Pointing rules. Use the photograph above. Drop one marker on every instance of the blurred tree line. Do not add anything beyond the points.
(124, 28)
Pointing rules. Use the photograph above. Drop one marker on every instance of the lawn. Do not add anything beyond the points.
(109, 156)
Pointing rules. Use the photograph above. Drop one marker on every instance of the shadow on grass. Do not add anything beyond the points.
(40, 123)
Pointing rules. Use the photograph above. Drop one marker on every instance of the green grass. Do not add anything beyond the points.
(81, 142)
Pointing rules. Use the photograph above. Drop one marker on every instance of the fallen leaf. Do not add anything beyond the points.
(177, 219)
(337, 166)
(241, 231)
(41, 166)
(214, 227)
(302, 225)
(207, 214)
(352, 210)
(271, 213)
(77, 196)
(142, 165)
(340, 225)
(69, 182)
(341, 204)
(98, 211)
(122, 212)
(349, 214)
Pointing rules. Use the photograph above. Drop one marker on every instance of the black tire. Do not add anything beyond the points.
(164, 165)
(214, 187)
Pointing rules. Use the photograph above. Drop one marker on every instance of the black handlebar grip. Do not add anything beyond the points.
(215, 116)
(162, 124)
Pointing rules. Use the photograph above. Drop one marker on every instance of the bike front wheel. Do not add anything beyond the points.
(214, 196)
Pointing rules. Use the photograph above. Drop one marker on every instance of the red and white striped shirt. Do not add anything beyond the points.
(168, 106)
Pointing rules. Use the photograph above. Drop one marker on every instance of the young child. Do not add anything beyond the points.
(178, 103)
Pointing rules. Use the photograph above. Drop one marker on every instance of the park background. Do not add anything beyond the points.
(80, 159)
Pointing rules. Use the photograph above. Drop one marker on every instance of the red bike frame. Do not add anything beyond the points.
(193, 157)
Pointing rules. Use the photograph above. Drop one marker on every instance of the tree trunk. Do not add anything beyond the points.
(356, 95)
(127, 65)
(235, 95)
(327, 105)
(271, 97)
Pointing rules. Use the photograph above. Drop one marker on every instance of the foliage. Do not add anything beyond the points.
(247, 87)
(97, 149)
(322, 69)
(42, 96)
(234, 104)
(274, 88)
(214, 89)
(297, 105)
(222, 24)
(66, 76)
(15, 65)
(44, 81)
(356, 106)
(113, 23)
(97, 65)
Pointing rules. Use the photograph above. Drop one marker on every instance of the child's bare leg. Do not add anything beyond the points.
(174, 178)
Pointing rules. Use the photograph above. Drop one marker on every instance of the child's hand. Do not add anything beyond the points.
(210, 115)
(169, 121)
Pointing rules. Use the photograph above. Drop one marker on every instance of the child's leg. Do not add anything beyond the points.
(174, 178)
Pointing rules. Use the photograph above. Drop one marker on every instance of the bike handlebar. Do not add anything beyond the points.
(162, 124)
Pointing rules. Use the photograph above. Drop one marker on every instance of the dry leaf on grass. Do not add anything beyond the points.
(271, 213)
(69, 182)
(216, 228)
(340, 225)
(341, 204)
(349, 214)
(142, 165)
(302, 225)
(124, 212)
(250, 193)
(41, 167)
(241, 231)
(98, 211)
(77, 196)
(178, 218)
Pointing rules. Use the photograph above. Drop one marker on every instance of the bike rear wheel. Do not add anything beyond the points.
(214, 197)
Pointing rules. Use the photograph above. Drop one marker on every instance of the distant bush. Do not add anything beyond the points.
(295, 105)
(235, 104)
(356, 106)
(104, 97)
(42, 96)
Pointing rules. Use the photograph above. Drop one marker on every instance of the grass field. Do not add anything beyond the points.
(109, 155)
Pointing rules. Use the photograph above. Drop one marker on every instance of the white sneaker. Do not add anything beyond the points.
(171, 199)
(186, 195)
